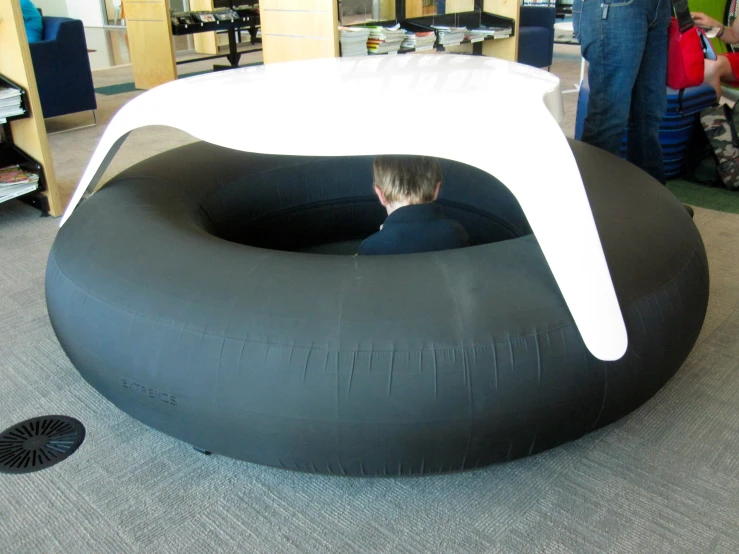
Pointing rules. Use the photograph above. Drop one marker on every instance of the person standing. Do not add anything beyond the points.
(625, 43)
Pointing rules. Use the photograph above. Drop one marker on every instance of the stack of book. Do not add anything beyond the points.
(385, 40)
(485, 32)
(419, 40)
(15, 181)
(353, 41)
(450, 36)
(10, 103)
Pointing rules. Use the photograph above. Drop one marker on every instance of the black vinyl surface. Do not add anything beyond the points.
(184, 293)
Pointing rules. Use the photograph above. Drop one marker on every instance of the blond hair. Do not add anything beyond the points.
(411, 179)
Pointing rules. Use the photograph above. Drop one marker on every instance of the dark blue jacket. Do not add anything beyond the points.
(416, 228)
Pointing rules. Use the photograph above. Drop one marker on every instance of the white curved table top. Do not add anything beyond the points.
(501, 117)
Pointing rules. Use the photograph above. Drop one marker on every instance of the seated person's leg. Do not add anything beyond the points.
(725, 68)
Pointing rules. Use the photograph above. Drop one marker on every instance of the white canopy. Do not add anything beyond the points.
(495, 115)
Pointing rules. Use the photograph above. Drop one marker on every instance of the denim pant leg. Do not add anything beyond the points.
(649, 97)
(614, 47)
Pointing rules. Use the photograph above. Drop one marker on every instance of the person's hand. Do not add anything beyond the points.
(702, 20)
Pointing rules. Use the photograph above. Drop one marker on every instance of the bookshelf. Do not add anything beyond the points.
(506, 49)
(205, 43)
(247, 19)
(26, 141)
(418, 8)
(306, 29)
(151, 28)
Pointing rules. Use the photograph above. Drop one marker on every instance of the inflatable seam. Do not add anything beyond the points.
(672, 280)
(292, 345)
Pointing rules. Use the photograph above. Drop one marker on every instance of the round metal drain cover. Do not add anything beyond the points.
(38, 443)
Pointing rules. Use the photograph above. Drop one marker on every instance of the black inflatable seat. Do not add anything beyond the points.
(188, 293)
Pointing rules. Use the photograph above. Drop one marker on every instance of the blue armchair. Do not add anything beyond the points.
(536, 35)
(62, 68)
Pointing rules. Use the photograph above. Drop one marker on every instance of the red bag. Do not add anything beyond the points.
(684, 57)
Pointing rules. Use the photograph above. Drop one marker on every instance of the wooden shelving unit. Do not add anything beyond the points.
(149, 29)
(505, 49)
(307, 29)
(299, 29)
(205, 43)
(248, 21)
(29, 144)
(208, 42)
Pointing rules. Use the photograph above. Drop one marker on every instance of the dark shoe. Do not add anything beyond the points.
(688, 209)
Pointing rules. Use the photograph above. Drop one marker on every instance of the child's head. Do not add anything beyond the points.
(403, 180)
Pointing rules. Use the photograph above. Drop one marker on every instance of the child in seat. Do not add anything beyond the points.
(407, 186)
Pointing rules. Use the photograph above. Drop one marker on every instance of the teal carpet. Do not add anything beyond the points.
(116, 89)
(712, 198)
(130, 87)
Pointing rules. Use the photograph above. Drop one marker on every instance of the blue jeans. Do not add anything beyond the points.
(627, 52)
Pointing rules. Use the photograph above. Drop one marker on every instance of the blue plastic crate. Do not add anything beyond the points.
(683, 110)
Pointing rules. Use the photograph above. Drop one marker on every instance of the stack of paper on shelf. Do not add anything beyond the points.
(450, 36)
(353, 41)
(419, 40)
(15, 181)
(10, 103)
(385, 40)
(486, 32)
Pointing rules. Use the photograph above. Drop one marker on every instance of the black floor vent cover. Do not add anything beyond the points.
(38, 443)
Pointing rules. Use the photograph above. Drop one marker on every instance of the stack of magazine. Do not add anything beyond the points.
(15, 181)
(385, 40)
(10, 102)
(353, 41)
(450, 36)
(419, 40)
(484, 32)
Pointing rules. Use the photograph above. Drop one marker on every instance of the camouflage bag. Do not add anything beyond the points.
(719, 127)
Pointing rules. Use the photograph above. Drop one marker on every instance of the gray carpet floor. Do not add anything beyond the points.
(663, 479)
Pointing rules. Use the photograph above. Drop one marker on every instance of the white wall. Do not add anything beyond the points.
(89, 11)
(57, 8)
